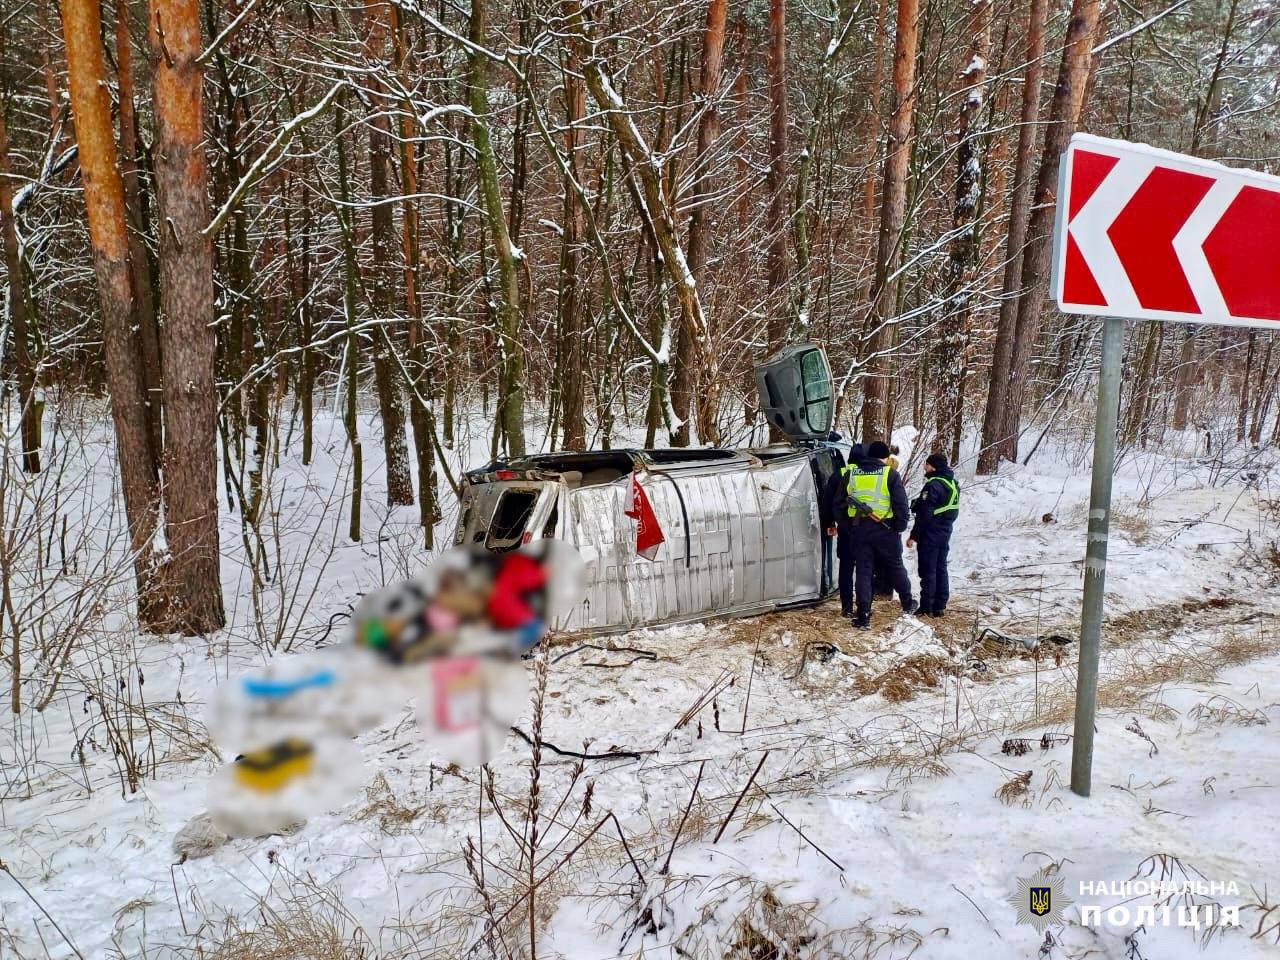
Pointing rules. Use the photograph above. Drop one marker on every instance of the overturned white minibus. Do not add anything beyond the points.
(739, 529)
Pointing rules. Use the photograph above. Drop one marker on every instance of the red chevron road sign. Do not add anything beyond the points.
(1147, 234)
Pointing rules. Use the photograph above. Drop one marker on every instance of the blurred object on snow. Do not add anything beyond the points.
(452, 640)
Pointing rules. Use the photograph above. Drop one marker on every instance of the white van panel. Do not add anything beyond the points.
(753, 543)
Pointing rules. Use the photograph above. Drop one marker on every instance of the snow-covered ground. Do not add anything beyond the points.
(874, 825)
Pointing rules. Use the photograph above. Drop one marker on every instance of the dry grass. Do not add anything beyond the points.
(1268, 916)
(1270, 508)
(1167, 618)
(901, 681)
(395, 814)
(741, 918)
(1017, 789)
(1154, 708)
(1163, 866)
(867, 941)
(812, 626)
(309, 924)
(1220, 711)
(814, 630)
(907, 770)
(768, 929)
(1134, 521)
(1130, 682)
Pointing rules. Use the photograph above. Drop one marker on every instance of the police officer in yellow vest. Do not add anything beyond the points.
(878, 514)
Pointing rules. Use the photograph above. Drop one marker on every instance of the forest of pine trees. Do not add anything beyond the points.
(578, 216)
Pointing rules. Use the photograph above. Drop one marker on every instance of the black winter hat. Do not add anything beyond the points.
(878, 450)
(938, 461)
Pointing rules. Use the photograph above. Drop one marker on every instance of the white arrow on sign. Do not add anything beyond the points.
(1090, 225)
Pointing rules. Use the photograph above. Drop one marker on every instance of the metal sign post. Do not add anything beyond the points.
(1145, 234)
(1095, 557)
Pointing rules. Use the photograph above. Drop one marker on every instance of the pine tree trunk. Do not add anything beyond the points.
(1136, 425)
(871, 135)
(420, 379)
(666, 92)
(776, 182)
(994, 444)
(382, 270)
(1185, 380)
(659, 324)
(306, 332)
(1262, 400)
(455, 356)
(652, 201)
(1067, 94)
(683, 381)
(996, 180)
(351, 353)
(884, 299)
(1242, 417)
(187, 338)
(953, 345)
(511, 374)
(1204, 131)
(1275, 429)
(109, 240)
(571, 352)
(140, 266)
(52, 101)
(235, 344)
(31, 408)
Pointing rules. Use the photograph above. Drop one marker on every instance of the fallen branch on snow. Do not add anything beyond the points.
(609, 755)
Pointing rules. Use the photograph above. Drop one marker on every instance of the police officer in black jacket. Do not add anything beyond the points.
(834, 509)
(935, 512)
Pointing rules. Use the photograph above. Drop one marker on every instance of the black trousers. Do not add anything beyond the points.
(844, 553)
(881, 582)
(935, 587)
(874, 543)
(828, 565)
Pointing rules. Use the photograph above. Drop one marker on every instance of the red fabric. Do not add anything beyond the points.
(648, 531)
(518, 576)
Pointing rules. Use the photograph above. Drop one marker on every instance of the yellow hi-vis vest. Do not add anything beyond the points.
(953, 502)
(871, 490)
